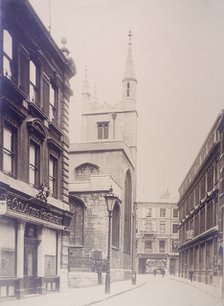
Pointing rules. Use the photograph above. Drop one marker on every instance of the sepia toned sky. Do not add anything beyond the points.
(178, 50)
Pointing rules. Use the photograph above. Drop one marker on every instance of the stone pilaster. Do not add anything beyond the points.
(20, 259)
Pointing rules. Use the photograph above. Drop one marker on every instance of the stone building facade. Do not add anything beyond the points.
(34, 198)
(157, 237)
(106, 157)
(201, 220)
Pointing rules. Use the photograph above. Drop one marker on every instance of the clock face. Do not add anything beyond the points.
(3, 207)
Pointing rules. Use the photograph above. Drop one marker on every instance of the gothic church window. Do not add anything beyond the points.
(115, 225)
(77, 223)
(103, 130)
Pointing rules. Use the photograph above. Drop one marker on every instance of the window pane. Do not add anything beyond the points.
(32, 73)
(32, 154)
(50, 262)
(51, 167)
(32, 175)
(32, 93)
(7, 139)
(7, 43)
(7, 247)
(52, 95)
(106, 131)
(7, 162)
(6, 67)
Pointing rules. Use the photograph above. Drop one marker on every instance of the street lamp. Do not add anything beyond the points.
(110, 200)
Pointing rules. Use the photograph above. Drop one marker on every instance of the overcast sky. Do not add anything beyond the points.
(178, 50)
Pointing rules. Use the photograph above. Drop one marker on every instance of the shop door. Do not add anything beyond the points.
(30, 261)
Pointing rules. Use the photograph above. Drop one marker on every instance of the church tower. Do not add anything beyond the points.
(106, 157)
(115, 122)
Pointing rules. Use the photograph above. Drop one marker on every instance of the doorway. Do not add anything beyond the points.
(30, 259)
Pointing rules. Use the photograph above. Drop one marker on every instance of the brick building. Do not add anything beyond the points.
(201, 197)
(106, 157)
(34, 101)
(157, 237)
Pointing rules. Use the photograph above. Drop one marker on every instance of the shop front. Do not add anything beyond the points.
(30, 239)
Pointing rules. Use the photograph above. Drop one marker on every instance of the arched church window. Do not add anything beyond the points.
(128, 89)
(127, 212)
(84, 171)
(116, 225)
(77, 223)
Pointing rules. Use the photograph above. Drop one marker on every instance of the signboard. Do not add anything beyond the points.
(30, 209)
(3, 207)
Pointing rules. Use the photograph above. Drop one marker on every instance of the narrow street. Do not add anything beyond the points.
(163, 292)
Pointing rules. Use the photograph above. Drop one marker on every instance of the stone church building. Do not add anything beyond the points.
(105, 158)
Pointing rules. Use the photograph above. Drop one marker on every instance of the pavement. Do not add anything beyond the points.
(96, 294)
(209, 289)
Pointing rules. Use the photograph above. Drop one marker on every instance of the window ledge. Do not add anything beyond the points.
(55, 127)
(36, 111)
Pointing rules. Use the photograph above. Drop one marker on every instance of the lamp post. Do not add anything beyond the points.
(110, 200)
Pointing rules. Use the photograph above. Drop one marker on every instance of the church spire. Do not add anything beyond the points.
(129, 80)
(129, 72)
(85, 92)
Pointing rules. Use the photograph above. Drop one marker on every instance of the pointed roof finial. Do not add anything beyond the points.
(85, 89)
(95, 94)
(130, 36)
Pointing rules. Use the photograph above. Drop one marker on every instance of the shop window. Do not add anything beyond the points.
(116, 226)
(103, 130)
(34, 164)
(7, 248)
(175, 213)
(7, 54)
(175, 228)
(9, 150)
(33, 89)
(53, 175)
(162, 212)
(50, 258)
(162, 244)
(127, 212)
